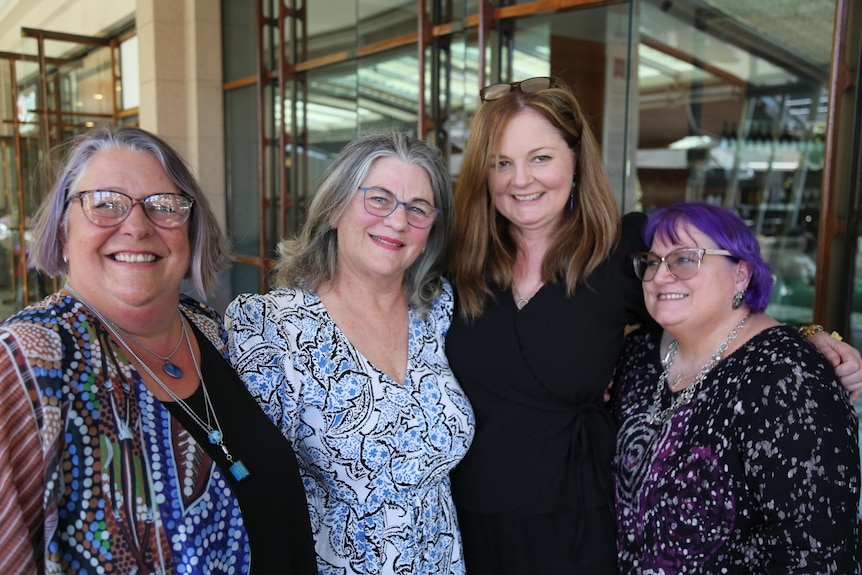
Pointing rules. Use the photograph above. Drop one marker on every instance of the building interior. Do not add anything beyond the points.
(752, 105)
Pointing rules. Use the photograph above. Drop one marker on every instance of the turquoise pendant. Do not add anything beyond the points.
(239, 471)
(215, 436)
(172, 370)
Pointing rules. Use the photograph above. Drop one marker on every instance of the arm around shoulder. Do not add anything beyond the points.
(845, 358)
(798, 440)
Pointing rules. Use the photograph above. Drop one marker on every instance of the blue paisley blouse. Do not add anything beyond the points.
(758, 474)
(374, 454)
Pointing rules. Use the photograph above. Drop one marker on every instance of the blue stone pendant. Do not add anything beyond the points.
(239, 471)
(173, 370)
(215, 436)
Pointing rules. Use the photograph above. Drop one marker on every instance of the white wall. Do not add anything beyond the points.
(86, 17)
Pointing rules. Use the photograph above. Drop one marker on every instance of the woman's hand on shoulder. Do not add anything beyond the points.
(845, 358)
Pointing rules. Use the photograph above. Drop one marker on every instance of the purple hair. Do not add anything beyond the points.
(727, 230)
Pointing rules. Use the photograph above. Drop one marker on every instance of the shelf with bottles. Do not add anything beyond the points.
(761, 147)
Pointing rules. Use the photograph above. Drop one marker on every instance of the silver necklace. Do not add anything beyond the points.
(214, 432)
(521, 301)
(169, 367)
(662, 416)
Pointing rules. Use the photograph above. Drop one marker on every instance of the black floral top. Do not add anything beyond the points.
(759, 474)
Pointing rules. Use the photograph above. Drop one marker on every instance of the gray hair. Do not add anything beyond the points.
(311, 259)
(209, 248)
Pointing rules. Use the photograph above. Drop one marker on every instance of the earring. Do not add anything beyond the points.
(736, 303)
(65, 259)
(571, 202)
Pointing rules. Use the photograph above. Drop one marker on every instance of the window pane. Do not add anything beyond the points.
(724, 120)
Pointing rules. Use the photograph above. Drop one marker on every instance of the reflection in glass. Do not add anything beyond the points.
(725, 121)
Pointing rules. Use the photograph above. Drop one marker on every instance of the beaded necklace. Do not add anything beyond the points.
(214, 432)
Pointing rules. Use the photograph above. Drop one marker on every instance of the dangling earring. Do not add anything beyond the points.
(736, 303)
(572, 195)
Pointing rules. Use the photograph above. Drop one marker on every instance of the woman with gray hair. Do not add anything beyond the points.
(127, 442)
(346, 356)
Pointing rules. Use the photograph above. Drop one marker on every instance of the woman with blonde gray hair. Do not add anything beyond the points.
(346, 356)
(127, 442)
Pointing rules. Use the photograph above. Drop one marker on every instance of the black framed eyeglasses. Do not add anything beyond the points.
(107, 208)
(682, 263)
(528, 86)
(381, 203)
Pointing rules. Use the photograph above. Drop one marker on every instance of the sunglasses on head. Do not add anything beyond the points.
(528, 86)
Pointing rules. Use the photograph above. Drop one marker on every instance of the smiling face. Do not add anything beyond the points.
(134, 263)
(531, 177)
(701, 301)
(377, 248)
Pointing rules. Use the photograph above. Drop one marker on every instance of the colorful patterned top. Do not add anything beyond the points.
(119, 486)
(758, 474)
(375, 454)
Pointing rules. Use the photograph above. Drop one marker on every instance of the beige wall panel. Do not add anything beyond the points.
(86, 17)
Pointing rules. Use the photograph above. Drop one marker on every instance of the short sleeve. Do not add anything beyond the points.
(260, 351)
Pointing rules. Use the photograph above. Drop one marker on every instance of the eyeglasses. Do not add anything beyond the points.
(682, 263)
(528, 86)
(380, 203)
(108, 208)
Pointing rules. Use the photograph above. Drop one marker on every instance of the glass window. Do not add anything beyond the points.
(131, 80)
(724, 120)
(239, 40)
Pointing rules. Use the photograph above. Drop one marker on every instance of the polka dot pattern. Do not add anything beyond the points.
(126, 488)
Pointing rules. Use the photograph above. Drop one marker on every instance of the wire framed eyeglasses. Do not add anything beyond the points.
(381, 203)
(682, 263)
(528, 86)
(107, 208)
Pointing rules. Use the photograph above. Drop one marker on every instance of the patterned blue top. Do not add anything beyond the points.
(758, 474)
(375, 454)
(123, 487)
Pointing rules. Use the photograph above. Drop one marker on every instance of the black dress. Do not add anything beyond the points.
(272, 498)
(534, 492)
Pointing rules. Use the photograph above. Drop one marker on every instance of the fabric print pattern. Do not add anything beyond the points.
(374, 454)
(758, 474)
(112, 500)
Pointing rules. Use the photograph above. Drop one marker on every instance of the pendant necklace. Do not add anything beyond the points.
(521, 301)
(662, 416)
(214, 432)
(169, 367)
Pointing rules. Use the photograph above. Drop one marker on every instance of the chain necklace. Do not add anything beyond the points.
(169, 367)
(214, 432)
(521, 301)
(662, 416)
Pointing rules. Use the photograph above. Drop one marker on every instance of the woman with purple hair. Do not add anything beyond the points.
(737, 448)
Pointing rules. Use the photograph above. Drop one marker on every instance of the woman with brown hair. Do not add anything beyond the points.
(545, 290)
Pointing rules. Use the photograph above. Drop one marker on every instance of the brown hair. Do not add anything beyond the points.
(484, 248)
